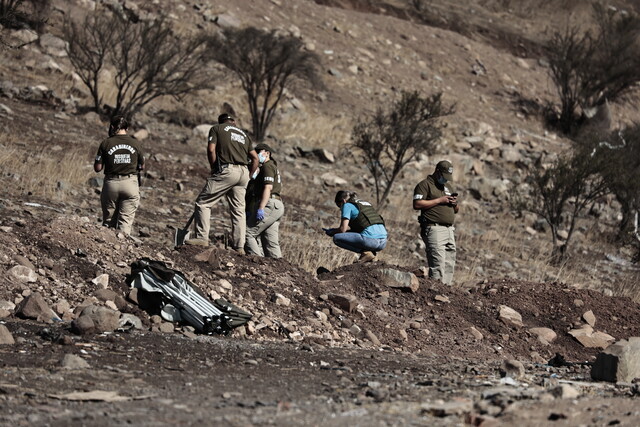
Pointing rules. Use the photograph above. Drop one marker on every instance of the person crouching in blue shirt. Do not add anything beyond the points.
(361, 228)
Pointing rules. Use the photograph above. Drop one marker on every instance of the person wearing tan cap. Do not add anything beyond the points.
(229, 151)
(264, 207)
(437, 202)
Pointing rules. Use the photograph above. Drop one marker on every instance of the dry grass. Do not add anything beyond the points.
(42, 174)
(318, 131)
(310, 249)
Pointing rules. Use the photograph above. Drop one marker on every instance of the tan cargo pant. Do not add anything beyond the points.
(267, 230)
(441, 251)
(120, 199)
(232, 183)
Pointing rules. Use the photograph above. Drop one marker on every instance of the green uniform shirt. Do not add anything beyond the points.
(120, 154)
(232, 144)
(269, 174)
(428, 189)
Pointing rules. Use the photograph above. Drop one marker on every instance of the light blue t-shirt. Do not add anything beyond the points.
(375, 231)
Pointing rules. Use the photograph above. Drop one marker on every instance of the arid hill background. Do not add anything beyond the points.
(330, 342)
(487, 58)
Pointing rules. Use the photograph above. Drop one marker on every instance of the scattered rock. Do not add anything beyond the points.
(83, 325)
(512, 368)
(35, 307)
(477, 335)
(509, 316)
(441, 298)
(402, 280)
(325, 156)
(590, 318)
(280, 299)
(565, 391)
(347, 303)
(23, 274)
(373, 338)
(105, 295)
(101, 281)
(545, 335)
(5, 335)
(104, 319)
(590, 338)
(71, 361)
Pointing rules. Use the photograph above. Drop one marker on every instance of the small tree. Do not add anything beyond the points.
(591, 67)
(391, 139)
(266, 64)
(14, 14)
(619, 155)
(560, 193)
(150, 61)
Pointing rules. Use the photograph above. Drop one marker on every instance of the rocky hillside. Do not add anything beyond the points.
(330, 342)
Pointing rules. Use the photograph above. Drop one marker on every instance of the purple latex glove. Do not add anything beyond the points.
(260, 214)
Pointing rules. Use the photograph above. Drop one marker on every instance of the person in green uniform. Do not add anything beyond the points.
(228, 151)
(361, 228)
(120, 156)
(264, 207)
(437, 202)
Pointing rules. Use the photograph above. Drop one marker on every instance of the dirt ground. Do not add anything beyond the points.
(144, 378)
(421, 366)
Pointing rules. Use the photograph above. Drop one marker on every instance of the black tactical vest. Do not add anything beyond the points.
(367, 216)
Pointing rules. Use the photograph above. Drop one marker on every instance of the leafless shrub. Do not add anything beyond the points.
(591, 67)
(266, 63)
(150, 61)
(560, 193)
(391, 139)
(619, 155)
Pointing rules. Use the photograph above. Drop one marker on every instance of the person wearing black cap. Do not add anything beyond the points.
(121, 157)
(264, 207)
(361, 229)
(438, 204)
(229, 150)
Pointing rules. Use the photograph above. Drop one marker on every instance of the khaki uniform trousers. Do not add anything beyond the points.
(441, 251)
(230, 182)
(120, 199)
(266, 230)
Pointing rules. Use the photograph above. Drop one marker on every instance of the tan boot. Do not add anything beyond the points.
(196, 242)
(366, 256)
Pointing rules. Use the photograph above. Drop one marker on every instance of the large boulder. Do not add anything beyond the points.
(619, 362)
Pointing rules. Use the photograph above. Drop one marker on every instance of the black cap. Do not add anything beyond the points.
(262, 146)
(446, 169)
(224, 117)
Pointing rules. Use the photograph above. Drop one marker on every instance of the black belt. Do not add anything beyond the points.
(116, 175)
(275, 196)
(427, 224)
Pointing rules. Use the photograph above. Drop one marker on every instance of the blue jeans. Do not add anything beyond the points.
(356, 242)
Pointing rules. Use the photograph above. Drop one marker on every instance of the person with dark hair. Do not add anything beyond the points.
(438, 205)
(229, 150)
(361, 228)
(264, 207)
(121, 158)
